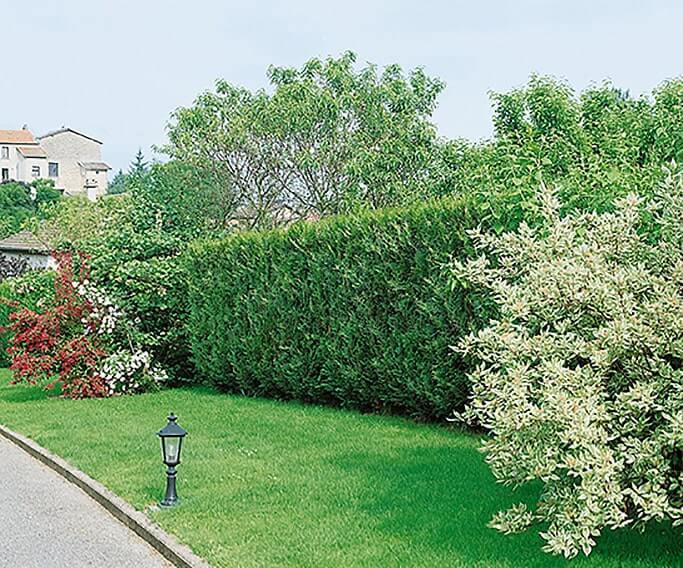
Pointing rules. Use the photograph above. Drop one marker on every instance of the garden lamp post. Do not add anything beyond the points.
(171, 443)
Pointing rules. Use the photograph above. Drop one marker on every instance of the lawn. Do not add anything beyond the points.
(264, 483)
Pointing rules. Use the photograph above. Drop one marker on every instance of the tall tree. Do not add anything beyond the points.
(329, 138)
(137, 170)
(139, 165)
(118, 184)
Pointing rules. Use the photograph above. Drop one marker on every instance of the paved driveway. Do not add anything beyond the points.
(46, 522)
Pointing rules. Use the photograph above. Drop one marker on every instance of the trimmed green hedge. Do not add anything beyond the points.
(352, 311)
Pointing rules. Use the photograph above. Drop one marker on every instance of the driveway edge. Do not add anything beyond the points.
(178, 554)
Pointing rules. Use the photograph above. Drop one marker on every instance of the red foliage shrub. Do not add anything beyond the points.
(61, 344)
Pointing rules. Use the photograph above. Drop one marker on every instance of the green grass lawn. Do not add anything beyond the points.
(273, 484)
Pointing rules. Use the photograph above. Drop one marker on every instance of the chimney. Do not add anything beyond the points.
(25, 127)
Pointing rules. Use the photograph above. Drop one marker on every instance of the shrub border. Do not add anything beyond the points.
(178, 554)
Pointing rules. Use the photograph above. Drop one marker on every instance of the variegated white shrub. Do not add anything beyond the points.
(580, 380)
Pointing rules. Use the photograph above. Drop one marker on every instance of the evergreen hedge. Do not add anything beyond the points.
(351, 311)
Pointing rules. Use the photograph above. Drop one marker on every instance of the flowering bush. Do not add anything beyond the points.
(77, 340)
(130, 371)
(580, 380)
(31, 290)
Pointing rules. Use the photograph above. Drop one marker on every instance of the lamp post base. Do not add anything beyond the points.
(171, 497)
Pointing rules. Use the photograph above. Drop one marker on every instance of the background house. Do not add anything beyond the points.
(21, 157)
(70, 158)
(75, 162)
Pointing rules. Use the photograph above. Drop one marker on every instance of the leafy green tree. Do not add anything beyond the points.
(135, 241)
(328, 139)
(20, 202)
(593, 147)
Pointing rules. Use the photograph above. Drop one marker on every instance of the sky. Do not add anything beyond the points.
(115, 70)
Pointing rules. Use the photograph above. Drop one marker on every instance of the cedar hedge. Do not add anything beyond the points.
(351, 311)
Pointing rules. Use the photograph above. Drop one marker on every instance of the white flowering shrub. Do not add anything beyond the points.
(579, 381)
(127, 372)
(104, 315)
(126, 369)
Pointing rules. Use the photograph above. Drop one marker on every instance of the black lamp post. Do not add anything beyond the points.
(171, 443)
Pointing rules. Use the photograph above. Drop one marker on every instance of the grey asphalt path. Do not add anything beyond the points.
(45, 522)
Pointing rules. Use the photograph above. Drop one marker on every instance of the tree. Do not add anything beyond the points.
(20, 202)
(328, 139)
(136, 171)
(593, 146)
(139, 166)
(118, 184)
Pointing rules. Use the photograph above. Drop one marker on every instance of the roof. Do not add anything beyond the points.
(94, 166)
(64, 129)
(24, 241)
(32, 152)
(16, 137)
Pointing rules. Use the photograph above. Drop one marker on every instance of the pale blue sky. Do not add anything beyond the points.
(116, 69)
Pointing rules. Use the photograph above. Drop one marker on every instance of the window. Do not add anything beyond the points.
(53, 169)
(35, 171)
(5, 174)
(4, 153)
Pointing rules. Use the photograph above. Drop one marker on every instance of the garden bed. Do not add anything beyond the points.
(264, 483)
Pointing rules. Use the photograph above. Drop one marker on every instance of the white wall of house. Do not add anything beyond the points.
(26, 171)
(35, 261)
(11, 163)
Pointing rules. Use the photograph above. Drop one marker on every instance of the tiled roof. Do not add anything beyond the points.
(94, 166)
(32, 152)
(24, 241)
(16, 137)
(65, 129)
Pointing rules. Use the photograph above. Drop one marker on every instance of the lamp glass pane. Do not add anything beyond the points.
(172, 446)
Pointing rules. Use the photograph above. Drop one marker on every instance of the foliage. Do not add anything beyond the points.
(122, 182)
(139, 166)
(139, 263)
(353, 311)
(579, 380)
(594, 147)
(75, 342)
(31, 291)
(117, 185)
(134, 242)
(19, 202)
(329, 139)
(78, 223)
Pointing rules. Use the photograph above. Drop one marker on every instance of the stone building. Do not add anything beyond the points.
(70, 158)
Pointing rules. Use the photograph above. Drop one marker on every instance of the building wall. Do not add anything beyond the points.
(35, 261)
(13, 162)
(67, 149)
(25, 168)
(96, 183)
